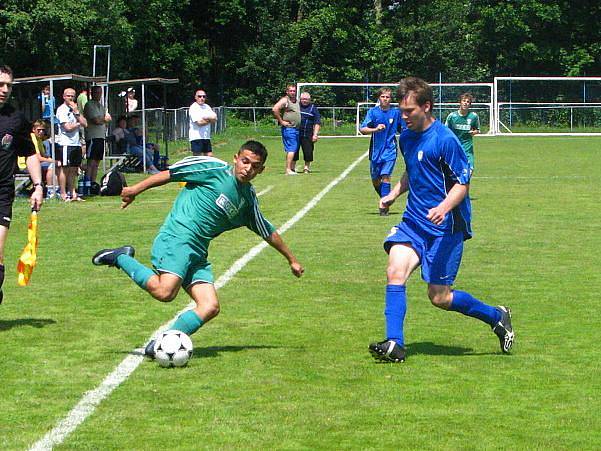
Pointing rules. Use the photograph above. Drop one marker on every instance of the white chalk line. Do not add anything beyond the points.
(91, 399)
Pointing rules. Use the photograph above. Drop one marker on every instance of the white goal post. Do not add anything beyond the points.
(446, 99)
(547, 106)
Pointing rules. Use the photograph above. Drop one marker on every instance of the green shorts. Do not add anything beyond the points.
(174, 256)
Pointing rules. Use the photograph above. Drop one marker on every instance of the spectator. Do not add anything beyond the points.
(290, 122)
(133, 137)
(97, 117)
(14, 141)
(38, 133)
(131, 103)
(47, 104)
(201, 117)
(68, 146)
(309, 129)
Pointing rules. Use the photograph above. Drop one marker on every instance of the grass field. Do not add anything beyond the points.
(285, 365)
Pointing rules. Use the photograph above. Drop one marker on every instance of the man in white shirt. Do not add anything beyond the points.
(201, 117)
(68, 146)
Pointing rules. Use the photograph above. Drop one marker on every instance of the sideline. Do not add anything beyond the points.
(91, 399)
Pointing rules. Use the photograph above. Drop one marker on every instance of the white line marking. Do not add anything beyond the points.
(91, 399)
(265, 191)
(528, 177)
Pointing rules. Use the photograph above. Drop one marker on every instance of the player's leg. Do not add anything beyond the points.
(308, 146)
(386, 169)
(3, 235)
(440, 266)
(374, 171)
(403, 248)
(290, 139)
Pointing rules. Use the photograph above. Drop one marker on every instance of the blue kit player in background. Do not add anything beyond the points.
(217, 197)
(382, 122)
(435, 224)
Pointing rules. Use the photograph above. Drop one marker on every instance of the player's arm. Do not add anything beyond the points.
(129, 193)
(277, 109)
(275, 241)
(367, 127)
(454, 198)
(476, 127)
(401, 187)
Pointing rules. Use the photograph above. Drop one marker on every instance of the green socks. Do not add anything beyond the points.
(188, 322)
(135, 270)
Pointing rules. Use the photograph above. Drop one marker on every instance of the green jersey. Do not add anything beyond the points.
(461, 126)
(212, 202)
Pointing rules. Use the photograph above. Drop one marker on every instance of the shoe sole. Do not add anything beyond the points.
(96, 259)
(507, 341)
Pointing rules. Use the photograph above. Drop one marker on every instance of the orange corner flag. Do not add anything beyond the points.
(28, 258)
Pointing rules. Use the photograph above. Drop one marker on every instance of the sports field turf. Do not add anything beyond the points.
(285, 365)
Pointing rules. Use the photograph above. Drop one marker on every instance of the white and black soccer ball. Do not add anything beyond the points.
(173, 348)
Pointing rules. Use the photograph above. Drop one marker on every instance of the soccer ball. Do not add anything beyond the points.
(173, 348)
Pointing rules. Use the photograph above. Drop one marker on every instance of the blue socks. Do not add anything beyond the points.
(396, 307)
(470, 306)
(384, 189)
(135, 270)
(188, 322)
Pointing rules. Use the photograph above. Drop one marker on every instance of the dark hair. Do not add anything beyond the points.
(4, 69)
(121, 118)
(421, 89)
(255, 147)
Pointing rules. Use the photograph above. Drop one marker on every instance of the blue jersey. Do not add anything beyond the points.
(382, 145)
(435, 162)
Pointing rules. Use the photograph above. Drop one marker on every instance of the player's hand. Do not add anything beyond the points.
(436, 215)
(297, 269)
(314, 138)
(37, 198)
(127, 196)
(386, 201)
(287, 124)
(380, 127)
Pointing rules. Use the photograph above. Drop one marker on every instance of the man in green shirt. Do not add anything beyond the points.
(465, 124)
(217, 197)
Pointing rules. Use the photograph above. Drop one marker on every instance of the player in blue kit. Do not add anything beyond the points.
(382, 122)
(435, 223)
(217, 197)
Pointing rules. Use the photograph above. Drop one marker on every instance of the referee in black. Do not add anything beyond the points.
(15, 141)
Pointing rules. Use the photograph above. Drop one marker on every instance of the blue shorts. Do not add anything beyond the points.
(381, 168)
(291, 139)
(201, 146)
(439, 256)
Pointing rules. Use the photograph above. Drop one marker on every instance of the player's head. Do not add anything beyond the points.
(249, 161)
(46, 89)
(122, 121)
(200, 96)
(39, 128)
(465, 101)
(385, 97)
(416, 101)
(305, 98)
(6, 83)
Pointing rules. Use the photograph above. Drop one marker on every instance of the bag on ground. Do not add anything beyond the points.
(112, 183)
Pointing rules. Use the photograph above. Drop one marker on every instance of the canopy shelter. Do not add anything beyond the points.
(121, 85)
(27, 100)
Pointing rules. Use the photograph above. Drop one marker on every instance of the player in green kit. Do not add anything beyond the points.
(465, 124)
(217, 197)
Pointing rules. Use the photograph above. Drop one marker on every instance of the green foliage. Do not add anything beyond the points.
(245, 51)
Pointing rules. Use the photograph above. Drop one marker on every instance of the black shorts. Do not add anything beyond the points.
(95, 149)
(7, 196)
(308, 146)
(201, 146)
(68, 155)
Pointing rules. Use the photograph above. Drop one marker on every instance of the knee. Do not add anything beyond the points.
(440, 299)
(396, 275)
(161, 293)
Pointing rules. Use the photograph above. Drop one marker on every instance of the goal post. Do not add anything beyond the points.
(538, 106)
